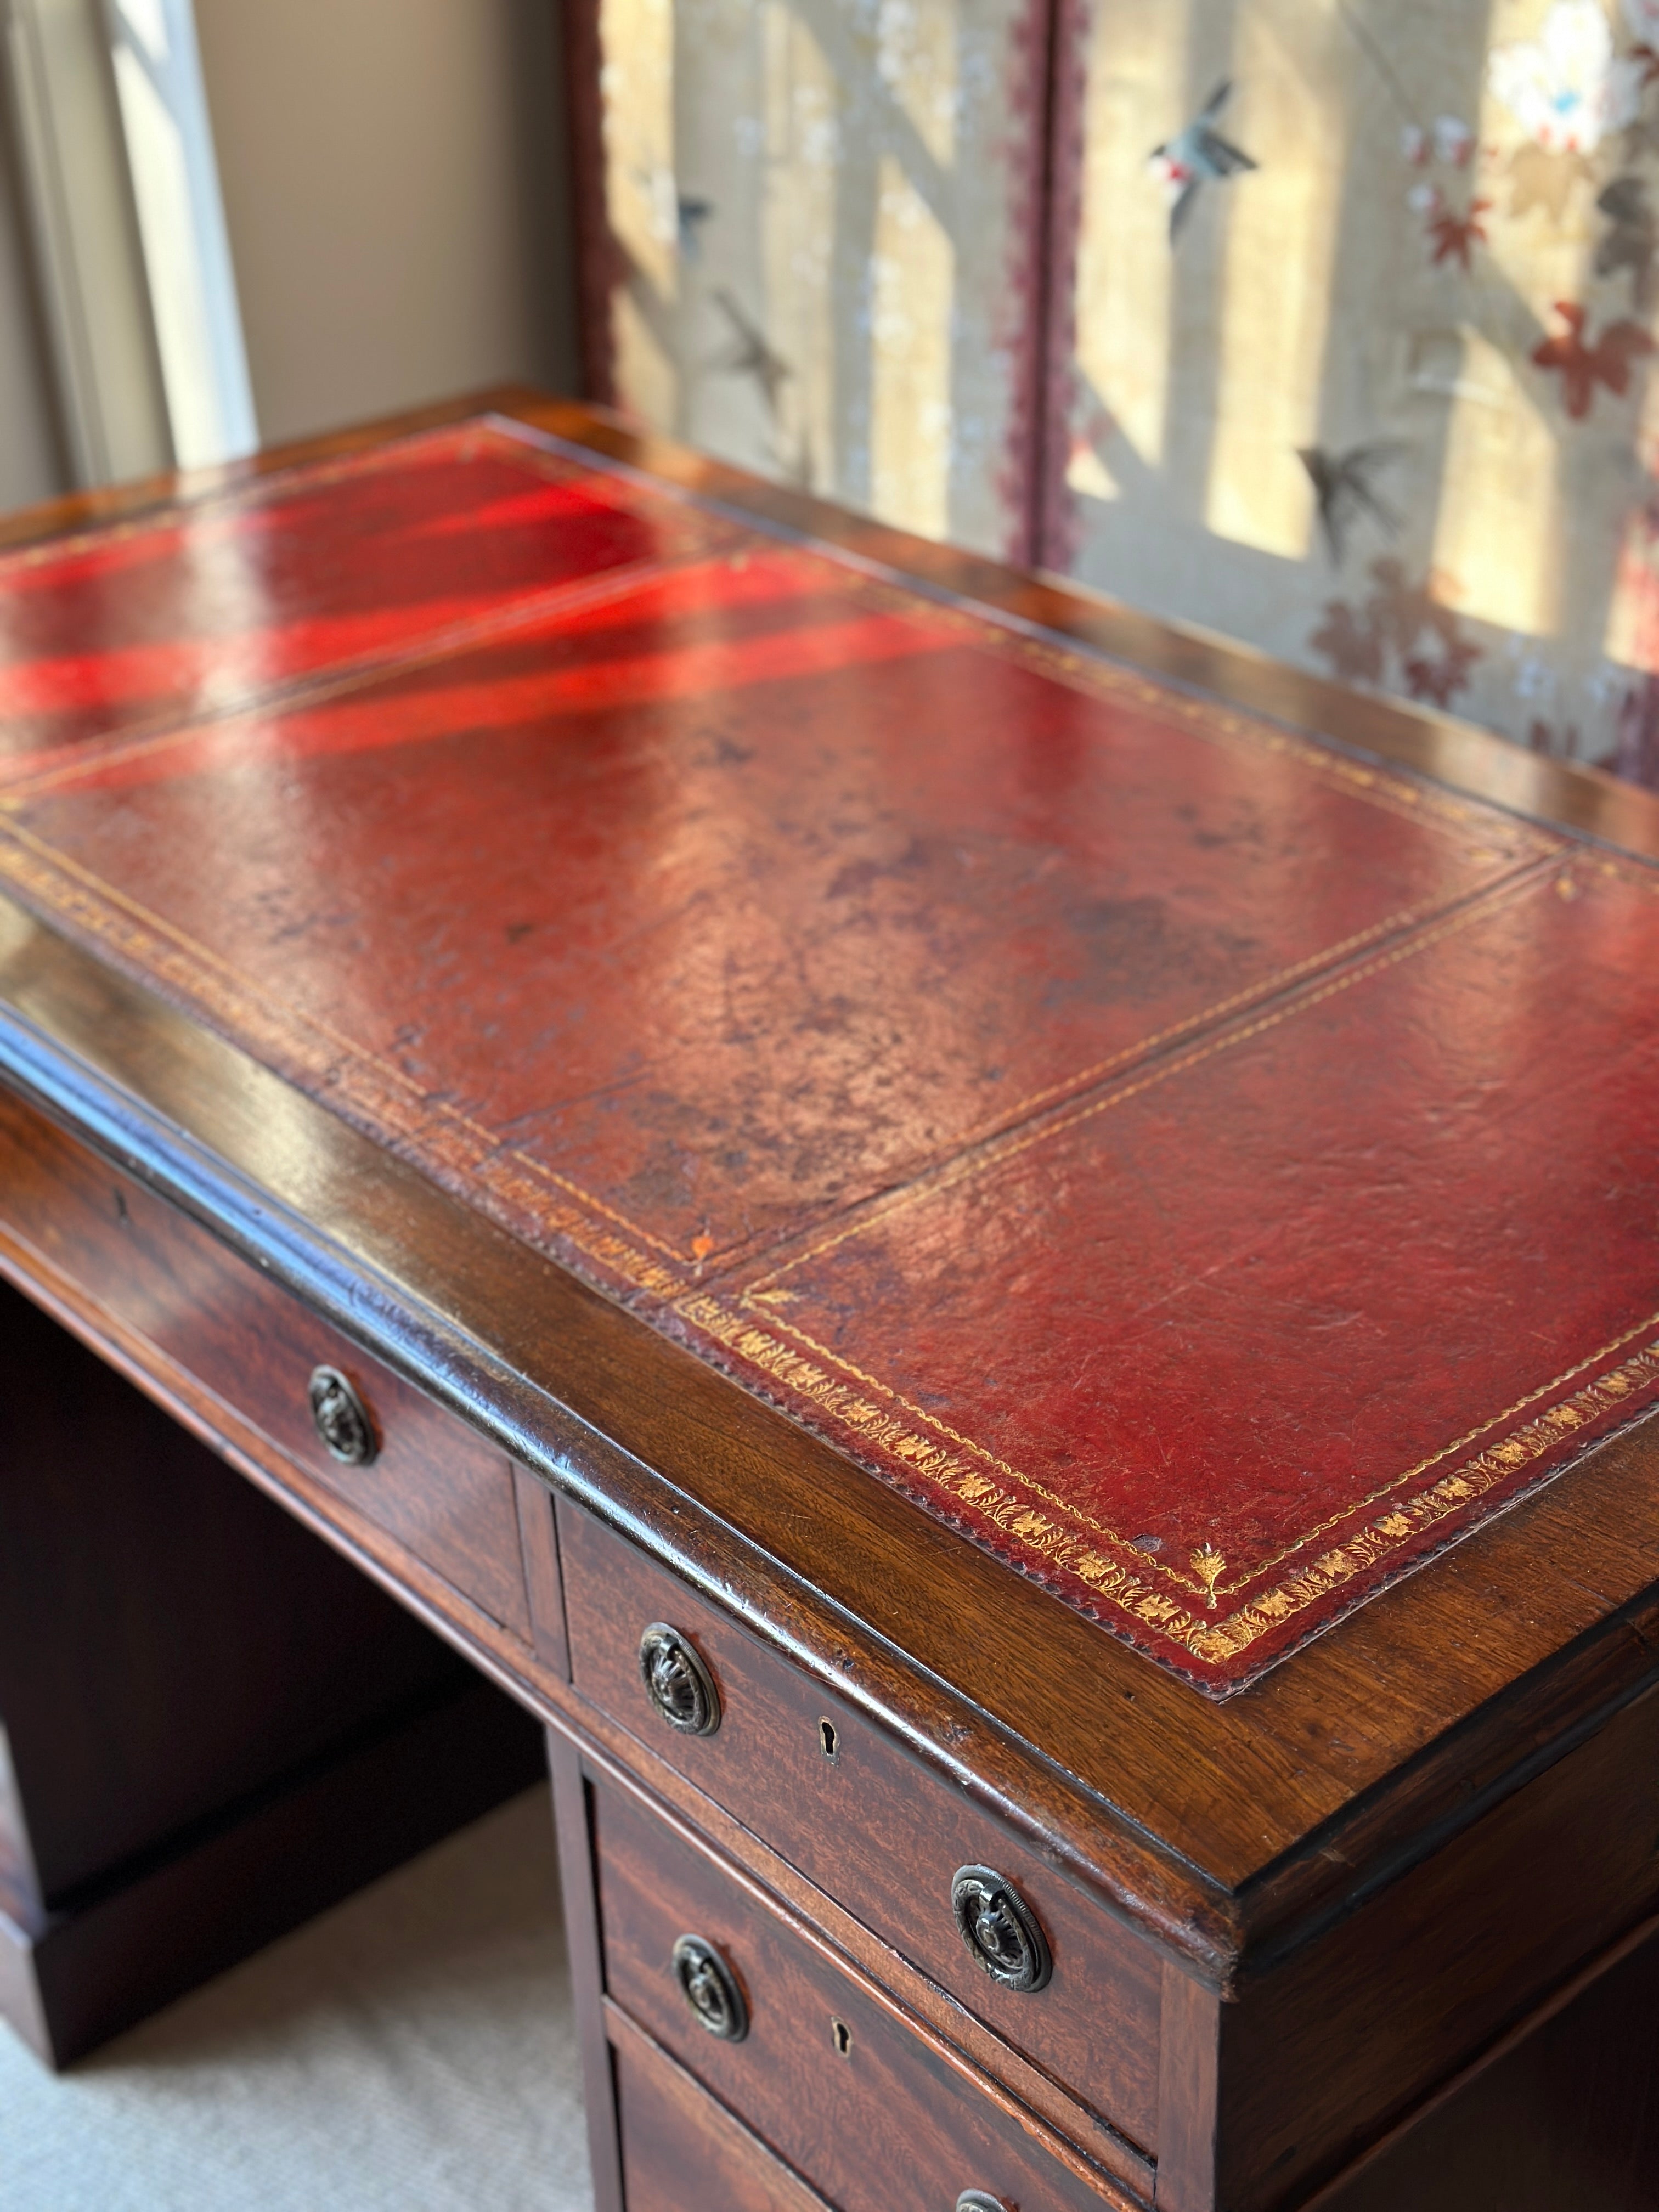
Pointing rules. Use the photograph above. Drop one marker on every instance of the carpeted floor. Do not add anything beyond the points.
(411, 2052)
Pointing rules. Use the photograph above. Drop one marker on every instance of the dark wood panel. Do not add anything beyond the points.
(170, 1641)
(538, 1539)
(1355, 2029)
(578, 1889)
(215, 1725)
(873, 1827)
(618, 1761)
(1189, 2082)
(203, 1900)
(830, 2080)
(447, 1493)
(682, 2149)
(1564, 2116)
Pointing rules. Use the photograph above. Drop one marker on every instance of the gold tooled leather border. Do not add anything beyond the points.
(924, 1451)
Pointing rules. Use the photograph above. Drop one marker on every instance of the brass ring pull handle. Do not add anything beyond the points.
(1000, 1928)
(978, 2200)
(710, 1988)
(678, 1682)
(341, 1420)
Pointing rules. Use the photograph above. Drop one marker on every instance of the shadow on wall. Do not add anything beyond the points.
(1325, 324)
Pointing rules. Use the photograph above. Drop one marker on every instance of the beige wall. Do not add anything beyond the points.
(394, 175)
(31, 460)
(394, 180)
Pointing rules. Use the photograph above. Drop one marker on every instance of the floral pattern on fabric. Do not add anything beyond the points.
(1565, 86)
(1215, 308)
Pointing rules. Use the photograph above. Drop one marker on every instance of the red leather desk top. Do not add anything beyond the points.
(1210, 1172)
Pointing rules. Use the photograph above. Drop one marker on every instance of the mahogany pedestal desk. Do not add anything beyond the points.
(995, 1269)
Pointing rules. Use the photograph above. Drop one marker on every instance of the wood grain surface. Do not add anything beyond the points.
(879, 2121)
(874, 1828)
(215, 1727)
(1561, 2115)
(684, 2148)
(433, 1483)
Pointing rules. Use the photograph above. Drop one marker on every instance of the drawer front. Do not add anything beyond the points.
(435, 1485)
(682, 2152)
(876, 1829)
(841, 2089)
(870, 1825)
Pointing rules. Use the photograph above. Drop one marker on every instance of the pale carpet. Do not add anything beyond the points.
(411, 2052)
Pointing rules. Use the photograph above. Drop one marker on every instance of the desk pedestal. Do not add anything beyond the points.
(214, 1726)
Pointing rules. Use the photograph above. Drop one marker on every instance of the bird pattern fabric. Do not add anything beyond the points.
(1257, 314)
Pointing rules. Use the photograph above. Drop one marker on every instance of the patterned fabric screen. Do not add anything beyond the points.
(1329, 325)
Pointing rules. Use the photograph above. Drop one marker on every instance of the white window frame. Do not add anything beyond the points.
(116, 146)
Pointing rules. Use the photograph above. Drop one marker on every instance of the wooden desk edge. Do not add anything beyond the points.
(1286, 1805)
(450, 1340)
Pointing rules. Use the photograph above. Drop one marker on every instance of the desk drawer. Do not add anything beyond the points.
(879, 1832)
(839, 2087)
(432, 1483)
(681, 2149)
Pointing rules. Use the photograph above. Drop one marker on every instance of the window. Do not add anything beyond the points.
(130, 233)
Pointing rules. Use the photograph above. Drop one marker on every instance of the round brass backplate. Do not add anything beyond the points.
(1000, 1928)
(678, 1682)
(710, 1988)
(341, 1420)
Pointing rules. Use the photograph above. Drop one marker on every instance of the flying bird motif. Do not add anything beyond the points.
(1632, 241)
(751, 356)
(1344, 490)
(690, 213)
(1440, 675)
(1197, 156)
(1351, 643)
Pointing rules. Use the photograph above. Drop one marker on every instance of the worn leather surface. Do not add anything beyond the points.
(1212, 1172)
